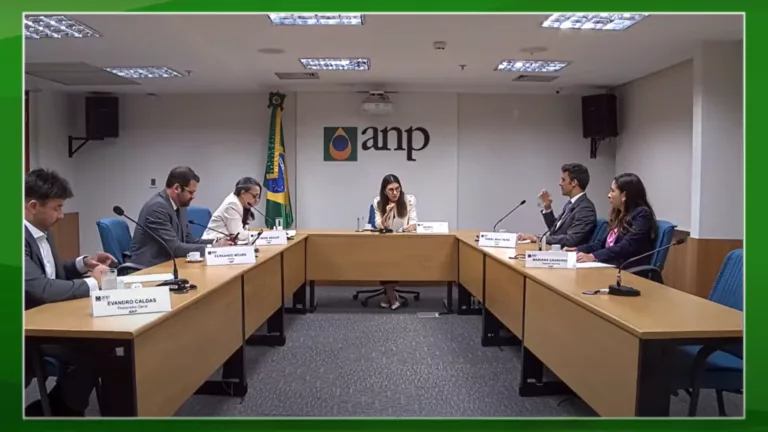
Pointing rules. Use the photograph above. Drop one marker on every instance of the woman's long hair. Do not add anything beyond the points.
(635, 198)
(242, 186)
(402, 206)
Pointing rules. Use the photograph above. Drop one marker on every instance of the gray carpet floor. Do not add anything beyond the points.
(348, 361)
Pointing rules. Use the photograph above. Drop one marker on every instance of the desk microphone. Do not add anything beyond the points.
(232, 237)
(176, 284)
(505, 216)
(265, 216)
(628, 291)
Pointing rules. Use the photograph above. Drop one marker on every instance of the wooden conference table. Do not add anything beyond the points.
(609, 350)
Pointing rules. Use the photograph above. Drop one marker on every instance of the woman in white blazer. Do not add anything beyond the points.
(234, 214)
(396, 211)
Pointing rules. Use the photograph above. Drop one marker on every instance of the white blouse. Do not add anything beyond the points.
(397, 223)
(228, 218)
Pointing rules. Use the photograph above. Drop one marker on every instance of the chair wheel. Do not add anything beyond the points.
(416, 297)
(354, 296)
(364, 303)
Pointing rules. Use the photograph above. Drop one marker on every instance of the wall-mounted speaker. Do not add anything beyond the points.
(101, 117)
(599, 117)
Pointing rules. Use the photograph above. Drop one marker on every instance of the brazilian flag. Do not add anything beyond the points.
(275, 175)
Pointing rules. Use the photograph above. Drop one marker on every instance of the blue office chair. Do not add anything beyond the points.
(600, 229)
(116, 241)
(721, 369)
(376, 292)
(372, 216)
(200, 215)
(664, 235)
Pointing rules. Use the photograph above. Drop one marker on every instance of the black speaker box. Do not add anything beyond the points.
(101, 117)
(599, 116)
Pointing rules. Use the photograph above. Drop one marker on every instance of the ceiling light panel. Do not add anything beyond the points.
(346, 64)
(615, 22)
(144, 72)
(55, 27)
(531, 65)
(307, 19)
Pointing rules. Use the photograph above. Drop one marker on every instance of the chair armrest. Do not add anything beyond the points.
(647, 271)
(128, 268)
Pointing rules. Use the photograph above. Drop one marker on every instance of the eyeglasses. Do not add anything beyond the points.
(393, 191)
(191, 191)
(255, 196)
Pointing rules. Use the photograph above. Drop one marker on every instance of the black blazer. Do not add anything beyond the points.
(637, 239)
(577, 227)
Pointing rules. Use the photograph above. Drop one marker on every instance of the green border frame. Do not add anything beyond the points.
(11, 167)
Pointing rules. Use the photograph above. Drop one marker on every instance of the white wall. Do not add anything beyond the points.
(222, 137)
(335, 194)
(655, 133)
(511, 147)
(49, 119)
(486, 153)
(717, 197)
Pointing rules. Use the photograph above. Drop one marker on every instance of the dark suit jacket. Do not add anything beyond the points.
(577, 227)
(637, 240)
(158, 215)
(38, 288)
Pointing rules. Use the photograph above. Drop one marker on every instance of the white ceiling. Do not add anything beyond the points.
(221, 51)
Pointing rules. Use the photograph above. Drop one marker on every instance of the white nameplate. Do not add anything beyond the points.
(230, 255)
(130, 301)
(497, 239)
(432, 227)
(550, 259)
(271, 238)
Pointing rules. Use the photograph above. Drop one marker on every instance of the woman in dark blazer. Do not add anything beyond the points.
(631, 226)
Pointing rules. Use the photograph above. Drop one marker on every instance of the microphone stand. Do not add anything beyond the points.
(627, 291)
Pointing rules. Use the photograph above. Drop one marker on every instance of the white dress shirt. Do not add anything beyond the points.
(48, 261)
(397, 223)
(228, 218)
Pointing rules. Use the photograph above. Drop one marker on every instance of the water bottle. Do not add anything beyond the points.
(109, 280)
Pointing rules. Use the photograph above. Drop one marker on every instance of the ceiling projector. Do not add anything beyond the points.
(377, 103)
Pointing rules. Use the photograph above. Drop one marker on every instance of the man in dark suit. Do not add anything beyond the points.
(166, 215)
(47, 279)
(576, 224)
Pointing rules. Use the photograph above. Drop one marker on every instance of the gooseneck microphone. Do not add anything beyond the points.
(265, 216)
(506, 215)
(175, 284)
(628, 291)
(232, 237)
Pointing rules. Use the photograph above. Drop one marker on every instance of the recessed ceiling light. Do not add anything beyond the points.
(270, 51)
(56, 27)
(593, 21)
(144, 72)
(307, 19)
(355, 64)
(531, 65)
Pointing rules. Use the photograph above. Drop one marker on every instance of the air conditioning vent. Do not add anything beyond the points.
(535, 78)
(297, 75)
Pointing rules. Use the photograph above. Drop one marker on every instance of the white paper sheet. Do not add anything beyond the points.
(156, 277)
(592, 265)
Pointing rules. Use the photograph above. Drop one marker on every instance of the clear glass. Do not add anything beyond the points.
(555, 248)
(279, 224)
(109, 280)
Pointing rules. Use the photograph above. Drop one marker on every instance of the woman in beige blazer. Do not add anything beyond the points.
(234, 214)
(396, 211)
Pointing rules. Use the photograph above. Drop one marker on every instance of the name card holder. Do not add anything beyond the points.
(432, 228)
(271, 238)
(497, 239)
(130, 301)
(230, 255)
(550, 259)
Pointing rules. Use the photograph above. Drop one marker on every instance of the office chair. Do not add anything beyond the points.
(664, 235)
(116, 241)
(720, 369)
(51, 367)
(600, 228)
(200, 215)
(376, 292)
